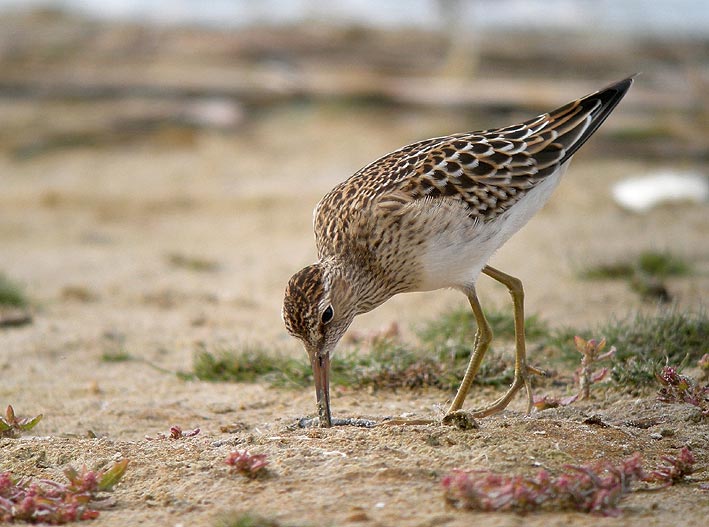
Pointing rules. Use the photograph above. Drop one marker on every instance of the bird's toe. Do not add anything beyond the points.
(460, 419)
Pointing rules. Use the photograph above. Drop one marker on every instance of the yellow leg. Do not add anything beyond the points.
(522, 369)
(483, 337)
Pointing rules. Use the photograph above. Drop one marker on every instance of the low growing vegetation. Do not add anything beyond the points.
(597, 488)
(644, 273)
(676, 388)
(46, 501)
(11, 294)
(657, 264)
(176, 432)
(119, 355)
(247, 365)
(13, 426)
(585, 376)
(192, 263)
(642, 344)
(246, 519)
(247, 464)
(438, 360)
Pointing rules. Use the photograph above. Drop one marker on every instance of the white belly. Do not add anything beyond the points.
(455, 256)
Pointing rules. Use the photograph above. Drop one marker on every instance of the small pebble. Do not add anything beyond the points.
(655, 435)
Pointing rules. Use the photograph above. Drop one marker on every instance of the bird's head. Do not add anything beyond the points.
(317, 309)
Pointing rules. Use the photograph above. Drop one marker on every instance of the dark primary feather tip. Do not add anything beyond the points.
(600, 105)
(623, 84)
(614, 92)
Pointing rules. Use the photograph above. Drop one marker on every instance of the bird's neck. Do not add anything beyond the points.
(366, 289)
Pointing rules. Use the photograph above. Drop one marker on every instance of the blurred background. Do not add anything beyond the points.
(159, 159)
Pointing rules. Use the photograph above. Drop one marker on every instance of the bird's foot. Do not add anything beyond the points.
(522, 378)
(460, 419)
(314, 422)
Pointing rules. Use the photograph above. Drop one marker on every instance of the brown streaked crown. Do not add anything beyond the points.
(300, 305)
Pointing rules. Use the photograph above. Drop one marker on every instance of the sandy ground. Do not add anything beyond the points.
(104, 222)
(92, 232)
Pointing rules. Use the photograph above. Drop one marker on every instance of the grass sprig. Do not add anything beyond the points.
(11, 294)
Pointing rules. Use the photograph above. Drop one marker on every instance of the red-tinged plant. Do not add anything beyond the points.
(12, 426)
(247, 464)
(677, 388)
(55, 503)
(486, 491)
(674, 469)
(175, 433)
(585, 376)
(591, 350)
(596, 488)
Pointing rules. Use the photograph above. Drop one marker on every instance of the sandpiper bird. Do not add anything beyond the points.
(429, 216)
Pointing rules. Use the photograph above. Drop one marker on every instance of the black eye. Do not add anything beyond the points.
(327, 315)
